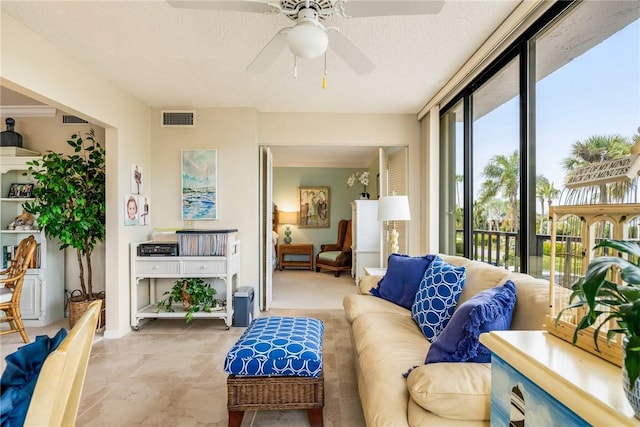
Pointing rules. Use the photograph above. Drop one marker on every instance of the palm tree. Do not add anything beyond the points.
(546, 192)
(502, 175)
(598, 149)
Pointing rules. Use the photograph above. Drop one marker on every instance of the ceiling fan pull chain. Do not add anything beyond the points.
(295, 67)
(324, 76)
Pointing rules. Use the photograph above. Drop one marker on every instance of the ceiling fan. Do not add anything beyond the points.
(308, 38)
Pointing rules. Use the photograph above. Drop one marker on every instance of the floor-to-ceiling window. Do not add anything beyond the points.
(565, 94)
(452, 173)
(495, 153)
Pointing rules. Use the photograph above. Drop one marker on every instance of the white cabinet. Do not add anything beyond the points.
(42, 300)
(365, 235)
(145, 270)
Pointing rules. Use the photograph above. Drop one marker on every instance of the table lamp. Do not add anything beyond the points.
(288, 218)
(393, 208)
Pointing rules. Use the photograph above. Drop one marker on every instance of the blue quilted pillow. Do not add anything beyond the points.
(402, 278)
(489, 310)
(437, 297)
(20, 376)
(278, 346)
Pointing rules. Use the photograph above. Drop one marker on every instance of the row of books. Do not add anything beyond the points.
(8, 252)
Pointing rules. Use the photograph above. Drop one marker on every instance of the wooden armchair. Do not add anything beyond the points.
(337, 256)
(12, 280)
(57, 393)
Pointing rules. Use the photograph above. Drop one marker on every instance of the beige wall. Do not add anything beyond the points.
(233, 133)
(35, 67)
(132, 135)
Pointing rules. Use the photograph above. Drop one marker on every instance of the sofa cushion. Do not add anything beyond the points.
(437, 297)
(479, 275)
(460, 391)
(418, 416)
(532, 304)
(388, 332)
(355, 305)
(402, 278)
(489, 310)
(385, 345)
(367, 283)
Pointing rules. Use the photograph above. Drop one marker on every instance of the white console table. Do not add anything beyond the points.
(144, 301)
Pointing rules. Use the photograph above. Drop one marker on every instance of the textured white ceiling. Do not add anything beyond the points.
(178, 58)
(169, 57)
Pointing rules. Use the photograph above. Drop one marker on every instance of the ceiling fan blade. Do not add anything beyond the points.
(270, 52)
(349, 52)
(361, 9)
(234, 6)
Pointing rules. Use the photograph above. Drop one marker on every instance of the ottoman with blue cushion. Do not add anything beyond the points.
(276, 364)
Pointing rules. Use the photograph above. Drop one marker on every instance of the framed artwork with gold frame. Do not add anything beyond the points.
(314, 207)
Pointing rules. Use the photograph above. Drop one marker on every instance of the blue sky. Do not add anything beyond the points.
(597, 93)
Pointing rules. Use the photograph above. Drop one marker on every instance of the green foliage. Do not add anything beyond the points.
(604, 299)
(70, 200)
(200, 296)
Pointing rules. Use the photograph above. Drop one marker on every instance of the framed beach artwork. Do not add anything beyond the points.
(199, 185)
(313, 203)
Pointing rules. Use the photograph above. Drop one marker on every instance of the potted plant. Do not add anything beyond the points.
(69, 204)
(603, 300)
(195, 295)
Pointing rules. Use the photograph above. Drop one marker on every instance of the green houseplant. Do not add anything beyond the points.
(69, 203)
(195, 295)
(604, 299)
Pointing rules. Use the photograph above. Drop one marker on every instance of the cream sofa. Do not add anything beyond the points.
(387, 343)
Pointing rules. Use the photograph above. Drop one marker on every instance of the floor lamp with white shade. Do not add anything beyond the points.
(393, 208)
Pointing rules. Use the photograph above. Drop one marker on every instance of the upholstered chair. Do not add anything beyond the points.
(337, 256)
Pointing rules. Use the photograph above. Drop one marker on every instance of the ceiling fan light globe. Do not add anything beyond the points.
(307, 41)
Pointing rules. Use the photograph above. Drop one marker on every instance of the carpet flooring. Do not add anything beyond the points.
(170, 373)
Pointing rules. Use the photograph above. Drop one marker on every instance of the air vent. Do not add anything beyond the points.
(69, 119)
(178, 118)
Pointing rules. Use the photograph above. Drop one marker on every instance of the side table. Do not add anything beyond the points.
(295, 249)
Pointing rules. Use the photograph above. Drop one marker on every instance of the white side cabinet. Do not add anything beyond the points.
(146, 269)
(42, 300)
(365, 236)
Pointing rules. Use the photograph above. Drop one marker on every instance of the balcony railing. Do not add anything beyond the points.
(501, 249)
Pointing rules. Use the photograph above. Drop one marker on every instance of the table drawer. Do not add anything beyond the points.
(157, 266)
(204, 267)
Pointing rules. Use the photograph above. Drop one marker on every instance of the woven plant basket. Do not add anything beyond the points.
(78, 306)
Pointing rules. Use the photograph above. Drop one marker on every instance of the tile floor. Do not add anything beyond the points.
(170, 374)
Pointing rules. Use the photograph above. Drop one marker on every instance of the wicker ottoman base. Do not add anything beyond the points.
(275, 393)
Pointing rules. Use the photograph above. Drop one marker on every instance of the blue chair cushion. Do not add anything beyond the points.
(437, 297)
(20, 375)
(288, 346)
(489, 310)
(402, 278)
